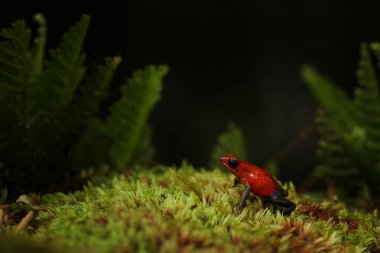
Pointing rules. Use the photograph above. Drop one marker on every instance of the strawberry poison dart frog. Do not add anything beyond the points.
(258, 181)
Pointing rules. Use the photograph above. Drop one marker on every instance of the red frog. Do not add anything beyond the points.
(258, 181)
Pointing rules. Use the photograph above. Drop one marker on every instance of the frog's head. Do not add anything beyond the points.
(231, 162)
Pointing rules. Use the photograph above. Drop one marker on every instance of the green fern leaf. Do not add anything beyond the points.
(337, 163)
(355, 123)
(49, 125)
(118, 138)
(344, 113)
(368, 84)
(95, 89)
(14, 65)
(231, 141)
(368, 103)
(16, 75)
(38, 52)
(144, 152)
(375, 47)
(92, 148)
(85, 106)
(14, 58)
(19, 68)
(130, 113)
(64, 72)
(48, 122)
(367, 100)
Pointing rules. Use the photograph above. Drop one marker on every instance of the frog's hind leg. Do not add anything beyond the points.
(281, 192)
(277, 199)
(264, 202)
(284, 193)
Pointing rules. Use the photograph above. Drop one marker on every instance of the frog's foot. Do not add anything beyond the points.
(289, 207)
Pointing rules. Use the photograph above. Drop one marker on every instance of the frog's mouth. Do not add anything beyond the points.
(224, 160)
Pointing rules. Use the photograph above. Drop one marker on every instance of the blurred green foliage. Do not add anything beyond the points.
(349, 148)
(49, 124)
(230, 141)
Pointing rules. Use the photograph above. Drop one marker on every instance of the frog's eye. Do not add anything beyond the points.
(233, 163)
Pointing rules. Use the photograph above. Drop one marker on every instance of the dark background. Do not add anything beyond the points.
(229, 60)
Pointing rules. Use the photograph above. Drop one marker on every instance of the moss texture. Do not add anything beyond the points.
(182, 210)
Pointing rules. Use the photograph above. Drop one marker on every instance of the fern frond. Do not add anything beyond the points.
(14, 58)
(368, 83)
(336, 162)
(231, 141)
(375, 48)
(367, 100)
(144, 152)
(85, 106)
(130, 113)
(95, 89)
(48, 123)
(356, 123)
(15, 80)
(38, 52)
(344, 113)
(14, 63)
(64, 72)
(92, 149)
(117, 139)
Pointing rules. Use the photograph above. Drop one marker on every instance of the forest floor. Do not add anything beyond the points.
(179, 210)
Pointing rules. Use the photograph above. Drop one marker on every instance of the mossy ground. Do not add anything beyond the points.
(181, 211)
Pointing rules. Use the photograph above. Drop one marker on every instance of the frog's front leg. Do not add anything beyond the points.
(244, 197)
(236, 181)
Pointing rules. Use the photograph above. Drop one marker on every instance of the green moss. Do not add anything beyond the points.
(184, 210)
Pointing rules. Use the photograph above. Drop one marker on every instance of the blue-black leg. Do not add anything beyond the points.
(287, 205)
(244, 197)
(264, 201)
(236, 182)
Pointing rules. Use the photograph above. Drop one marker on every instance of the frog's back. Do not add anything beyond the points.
(278, 187)
(261, 181)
